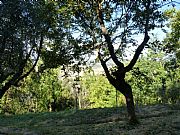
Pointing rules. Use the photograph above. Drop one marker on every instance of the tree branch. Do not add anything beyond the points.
(142, 45)
(35, 63)
(18, 76)
(107, 37)
(108, 75)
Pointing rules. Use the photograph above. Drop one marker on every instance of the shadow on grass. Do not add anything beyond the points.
(98, 121)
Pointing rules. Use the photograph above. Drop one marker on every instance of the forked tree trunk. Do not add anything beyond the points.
(118, 81)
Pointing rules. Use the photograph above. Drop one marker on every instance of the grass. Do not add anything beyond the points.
(154, 120)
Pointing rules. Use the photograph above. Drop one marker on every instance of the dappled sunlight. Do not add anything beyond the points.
(153, 120)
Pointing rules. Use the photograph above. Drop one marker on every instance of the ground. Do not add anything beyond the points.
(154, 120)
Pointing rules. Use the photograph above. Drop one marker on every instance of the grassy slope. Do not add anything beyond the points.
(158, 119)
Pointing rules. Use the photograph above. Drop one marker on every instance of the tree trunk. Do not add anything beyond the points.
(122, 86)
(4, 89)
(130, 104)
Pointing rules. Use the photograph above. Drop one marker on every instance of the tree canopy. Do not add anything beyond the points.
(172, 41)
(29, 31)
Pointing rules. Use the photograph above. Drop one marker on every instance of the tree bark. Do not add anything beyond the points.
(122, 86)
(130, 104)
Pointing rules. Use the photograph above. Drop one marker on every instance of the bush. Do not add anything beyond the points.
(173, 93)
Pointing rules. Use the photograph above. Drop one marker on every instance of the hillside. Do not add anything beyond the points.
(155, 120)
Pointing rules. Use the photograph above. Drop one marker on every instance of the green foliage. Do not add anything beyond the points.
(38, 93)
(147, 77)
(145, 80)
(172, 41)
(123, 19)
(173, 93)
(99, 92)
(30, 29)
(172, 45)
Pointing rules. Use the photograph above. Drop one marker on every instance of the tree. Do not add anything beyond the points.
(31, 30)
(114, 24)
(172, 47)
(172, 40)
(21, 37)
